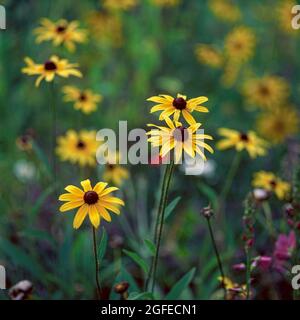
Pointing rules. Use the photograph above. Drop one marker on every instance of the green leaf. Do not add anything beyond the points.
(140, 296)
(170, 207)
(103, 244)
(180, 286)
(150, 246)
(40, 201)
(137, 259)
(209, 193)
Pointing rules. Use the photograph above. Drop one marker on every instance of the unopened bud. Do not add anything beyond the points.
(207, 212)
(121, 288)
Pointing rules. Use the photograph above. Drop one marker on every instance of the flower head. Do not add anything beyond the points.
(92, 201)
(179, 138)
(241, 140)
(209, 55)
(270, 182)
(60, 32)
(177, 106)
(78, 148)
(84, 100)
(284, 15)
(50, 68)
(225, 10)
(119, 4)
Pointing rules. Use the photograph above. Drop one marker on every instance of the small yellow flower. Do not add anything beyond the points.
(284, 16)
(240, 44)
(84, 100)
(24, 142)
(179, 138)
(48, 70)
(177, 106)
(278, 124)
(92, 201)
(119, 4)
(270, 182)
(240, 141)
(266, 92)
(60, 32)
(165, 3)
(225, 10)
(233, 289)
(209, 55)
(78, 148)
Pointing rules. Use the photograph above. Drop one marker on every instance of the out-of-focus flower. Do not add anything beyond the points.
(284, 247)
(106, 28)
(177, 106)
(234, 290)
(260, 194)
(209, 55)
(266, 92)
(284, 15)
(240, 141)
(165, 3)
(84, 100)
(179, 138)
(119, 4)
(78, 148)
(225, 10)
(278, 124)
(92, 201)
(240, 44)
(263, 262)
(24, 142)
(24, 170)
(60, 32)
(271, 182)
(21, 290)
(48, 70)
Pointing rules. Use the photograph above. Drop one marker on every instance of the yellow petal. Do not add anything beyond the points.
(86, 184)
(113, 200)
(99, 187)
(94, 216)
(188, 117)
(80, 216)
(110, 207)
(108, 190)
(69, 197)
(71, 205)
(104, 213)
(74, 190)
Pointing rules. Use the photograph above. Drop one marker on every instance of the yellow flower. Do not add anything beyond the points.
(84, 100)
(78, 148)
(225, 10)
(60, 32)
(119, 4)
(92, 201)
(179, 138)
(240, 141)
(177, 106)
(233, 289)
(48, 70)
(270, 182)
(165, 3)
(278, 124)
(208, 55)
(284, 15)
(240, 44)
(266, 92)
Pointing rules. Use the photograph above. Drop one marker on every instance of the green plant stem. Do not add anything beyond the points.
(160, 223)
(248, 273)
(269, 220)
(217, 254)
(96, 263)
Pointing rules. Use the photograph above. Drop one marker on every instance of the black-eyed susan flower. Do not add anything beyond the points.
(119, 4)
(278, 124)
(84, 100)
(60, 32)
(241, 140)
(176, 136)
(165, 3)
(94, 201)
(225, 10)
(24, 142)
(78, 147)
(50, 68)
(270, 182)
(177, 106)
(266, 92)
(209, 55)
(240, 44)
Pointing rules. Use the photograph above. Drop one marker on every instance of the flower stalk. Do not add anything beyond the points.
(96, 263)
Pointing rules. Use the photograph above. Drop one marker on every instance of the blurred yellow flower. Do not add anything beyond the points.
(270, 182)
(78, 148)
(209, 55)
(240, 141)
(266, 92)
(278, 124)
(284, 16)
(119, 4)
(165, 3)
(92, 201)
(233, 288)
(84, 100)
(240, 44)
(177, 106)
(179, 138)
(48, 70)
(230, 74)
(225, 10)
(60, 32)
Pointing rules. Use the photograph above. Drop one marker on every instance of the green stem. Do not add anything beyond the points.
(248, 273)
(217, 255)
(54, 130)
(269, 220)
(96, 263)
(160, 222)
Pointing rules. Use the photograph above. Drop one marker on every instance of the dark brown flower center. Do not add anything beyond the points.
(82, 97)
(273, 183)
(180, 134)
(110, 166)
(264, 90)
(244, 137)
(90, 197)
(50, 66)
(179, 103)
(80, 144)
(60, 29)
